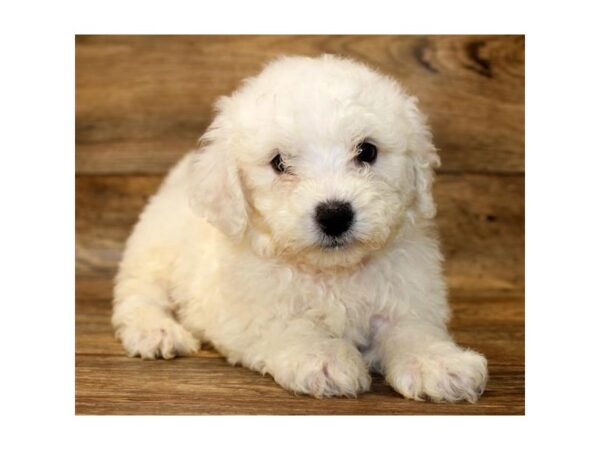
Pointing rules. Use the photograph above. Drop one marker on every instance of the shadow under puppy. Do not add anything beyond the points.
(299, 240)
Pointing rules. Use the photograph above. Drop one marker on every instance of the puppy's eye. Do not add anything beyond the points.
(278, 165)
(367, 152)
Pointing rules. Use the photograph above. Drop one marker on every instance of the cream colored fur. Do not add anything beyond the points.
(228, 251)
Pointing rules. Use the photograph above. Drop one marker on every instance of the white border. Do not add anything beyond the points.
(38, 221)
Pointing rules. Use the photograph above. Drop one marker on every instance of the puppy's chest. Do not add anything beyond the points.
(344, 306)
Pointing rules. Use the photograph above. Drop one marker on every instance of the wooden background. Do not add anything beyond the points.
(143, 101)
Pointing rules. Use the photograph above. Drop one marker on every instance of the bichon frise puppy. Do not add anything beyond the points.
(299, 240)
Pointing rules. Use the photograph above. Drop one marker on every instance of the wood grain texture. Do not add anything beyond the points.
(143, 101)
(107, 382)
(481, 221)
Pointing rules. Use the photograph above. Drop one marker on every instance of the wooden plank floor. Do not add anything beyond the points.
(143, 101)
(110, 383)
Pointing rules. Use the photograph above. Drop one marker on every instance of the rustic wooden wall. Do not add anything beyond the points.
(143, 101)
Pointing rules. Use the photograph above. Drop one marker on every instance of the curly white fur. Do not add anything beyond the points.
(228, 250)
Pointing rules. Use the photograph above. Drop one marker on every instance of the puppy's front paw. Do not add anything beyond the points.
(444, 372)
(165, 339)
(330, 368)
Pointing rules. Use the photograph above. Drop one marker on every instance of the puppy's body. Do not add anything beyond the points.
(244, 266)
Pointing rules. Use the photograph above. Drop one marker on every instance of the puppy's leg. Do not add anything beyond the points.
(421, 361)
(144, 321)
(302, 357)
(142, 314)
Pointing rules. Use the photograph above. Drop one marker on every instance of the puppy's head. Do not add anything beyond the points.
(316, 160)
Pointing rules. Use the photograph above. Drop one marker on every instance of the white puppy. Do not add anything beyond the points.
(298, 239)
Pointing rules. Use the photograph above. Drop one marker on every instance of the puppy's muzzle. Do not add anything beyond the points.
(334, 217)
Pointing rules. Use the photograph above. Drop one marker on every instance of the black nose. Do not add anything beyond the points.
(334, 217)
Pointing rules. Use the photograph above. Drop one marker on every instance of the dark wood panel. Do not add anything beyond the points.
(142, 101)
(482, 226)
(107, 382)
(481, 220)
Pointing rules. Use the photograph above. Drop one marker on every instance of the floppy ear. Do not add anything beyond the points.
(215, 191)
(425, 159)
